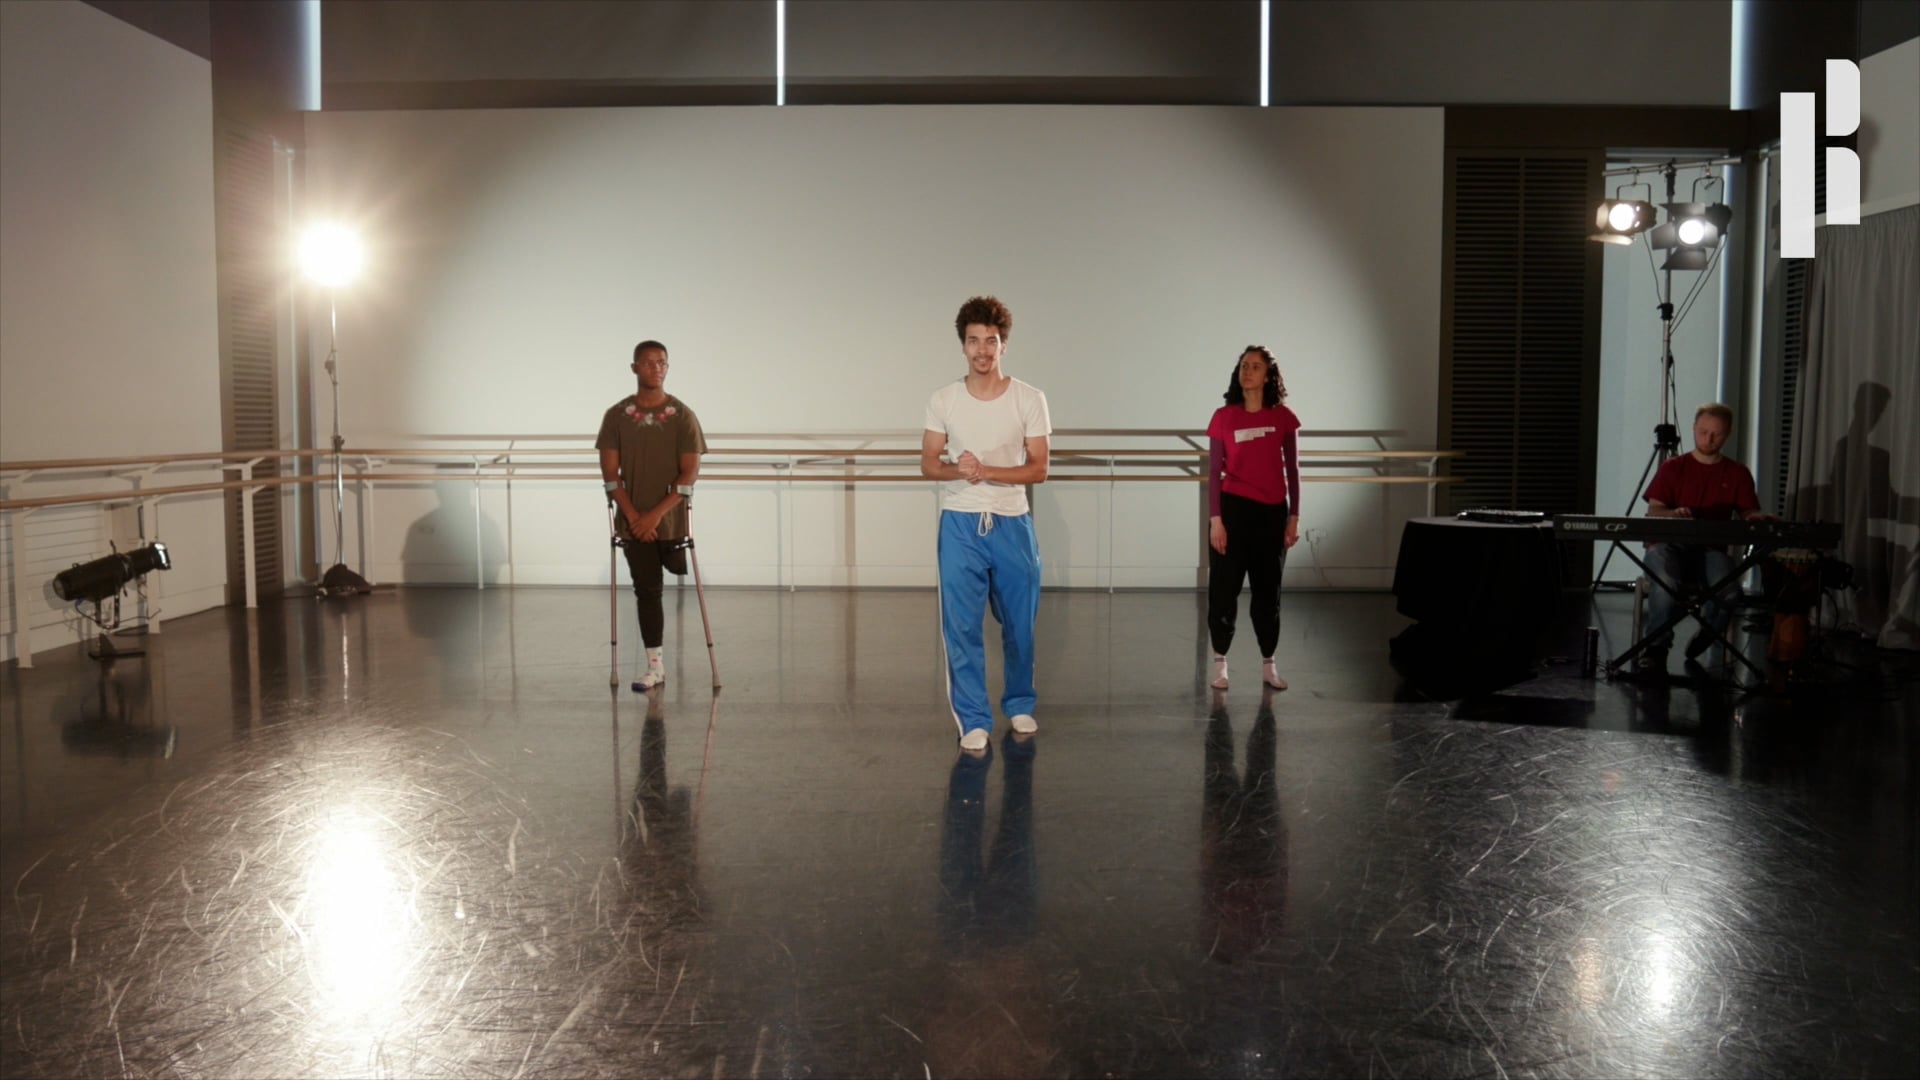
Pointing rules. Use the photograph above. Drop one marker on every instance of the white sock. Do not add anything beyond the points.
(653, 658)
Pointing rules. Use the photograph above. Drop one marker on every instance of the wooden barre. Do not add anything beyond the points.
(498, 455)
(113, 497)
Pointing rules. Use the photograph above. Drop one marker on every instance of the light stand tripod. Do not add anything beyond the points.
(1666, 433)
(338, 580)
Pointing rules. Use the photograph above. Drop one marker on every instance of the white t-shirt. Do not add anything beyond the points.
(997, 432)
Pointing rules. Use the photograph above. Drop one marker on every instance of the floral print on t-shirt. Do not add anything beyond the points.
(650, 417)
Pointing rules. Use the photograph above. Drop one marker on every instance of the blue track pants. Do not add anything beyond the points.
(988, 562)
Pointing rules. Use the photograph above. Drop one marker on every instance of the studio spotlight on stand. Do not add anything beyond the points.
(1691, 237)
(330, 256)
(1619, 220)
(105, 579)
(1692, 231)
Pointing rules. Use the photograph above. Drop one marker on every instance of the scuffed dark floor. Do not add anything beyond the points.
(414, 835)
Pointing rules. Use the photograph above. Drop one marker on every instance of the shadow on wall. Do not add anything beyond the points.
(449, 546)
(1880, 525)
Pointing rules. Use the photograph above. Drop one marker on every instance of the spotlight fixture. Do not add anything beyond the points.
(1619, 220)
(1691, 236)
(1692, 230)
(108, 575)
(330, 254)
(103, 580)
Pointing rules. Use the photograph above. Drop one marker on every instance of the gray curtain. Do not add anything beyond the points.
(1855, 457)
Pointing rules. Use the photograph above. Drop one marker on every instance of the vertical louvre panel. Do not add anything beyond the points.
(250, 283)
(1484, 390)
(1793, 352)
(1519, 377)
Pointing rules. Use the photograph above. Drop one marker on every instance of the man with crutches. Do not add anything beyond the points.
(650, 446)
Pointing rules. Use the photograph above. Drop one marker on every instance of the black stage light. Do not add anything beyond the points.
(1692, 225)
(109, 574)
(1692, 231)
(1618, 221)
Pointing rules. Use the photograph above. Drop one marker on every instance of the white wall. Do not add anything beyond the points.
(804, 265)
(109, 344)
(1890, 128)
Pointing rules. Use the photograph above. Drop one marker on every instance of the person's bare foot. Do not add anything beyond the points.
(1271, 677)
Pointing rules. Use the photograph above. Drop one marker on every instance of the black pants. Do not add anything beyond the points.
(1256, 549)
(643, 564)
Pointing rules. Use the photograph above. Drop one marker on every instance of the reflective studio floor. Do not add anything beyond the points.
(413, 834)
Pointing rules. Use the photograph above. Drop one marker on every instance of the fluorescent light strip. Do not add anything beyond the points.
(310, 17)
(1737, 63)
(1266, 48)
(779, 52)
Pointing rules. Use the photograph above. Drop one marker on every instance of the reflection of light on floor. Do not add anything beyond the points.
(1663, 975)
(358, 924)
(1589, 973)
(1649, 987)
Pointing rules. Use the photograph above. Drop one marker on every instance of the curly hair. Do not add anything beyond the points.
(1276, 389)
(987, 311)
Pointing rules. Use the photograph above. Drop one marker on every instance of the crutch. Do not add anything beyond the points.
(613, 599)
(686, 494)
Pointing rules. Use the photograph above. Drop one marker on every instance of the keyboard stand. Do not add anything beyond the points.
(1689, 609)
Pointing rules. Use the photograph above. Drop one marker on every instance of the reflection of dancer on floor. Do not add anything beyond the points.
(1243, 870)
(650, 446)
(994, 902)
(986, 438)
(990, 1016)
(662, 929)
(1253, 496)
(659, 844)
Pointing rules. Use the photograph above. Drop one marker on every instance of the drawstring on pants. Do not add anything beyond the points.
(986, 523)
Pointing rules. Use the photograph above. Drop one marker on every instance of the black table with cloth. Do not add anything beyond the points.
(1483, 597)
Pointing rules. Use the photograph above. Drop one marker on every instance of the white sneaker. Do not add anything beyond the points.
(1219, 673)
(1024, 724)
(654, 677)
(1271, 677)
(975, 740)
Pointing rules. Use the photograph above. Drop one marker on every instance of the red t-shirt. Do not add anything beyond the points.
(1713, 492)
(1262, 451)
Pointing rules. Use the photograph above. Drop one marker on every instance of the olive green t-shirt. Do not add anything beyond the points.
(650, 442)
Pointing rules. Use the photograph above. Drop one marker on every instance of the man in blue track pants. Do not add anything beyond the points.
(986, 440)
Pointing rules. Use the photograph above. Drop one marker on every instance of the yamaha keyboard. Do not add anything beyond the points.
(1818, 535)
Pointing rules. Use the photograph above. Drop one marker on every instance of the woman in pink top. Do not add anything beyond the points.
(1253, 497)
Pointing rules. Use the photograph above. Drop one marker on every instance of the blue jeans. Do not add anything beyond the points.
(1684, 566)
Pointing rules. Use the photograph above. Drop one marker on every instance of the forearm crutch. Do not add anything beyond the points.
(693, 552)
(613, 599)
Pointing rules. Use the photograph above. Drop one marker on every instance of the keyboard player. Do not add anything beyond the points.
(1706, 485)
